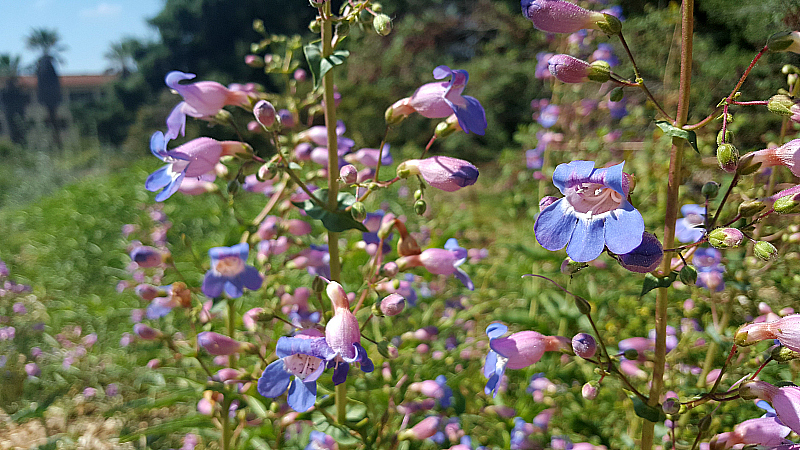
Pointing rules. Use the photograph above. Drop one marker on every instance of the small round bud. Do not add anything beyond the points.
(727, 157)
(315, 26)
(348, 174)
(764, 250)
(789, 204)
(418, 194)
(420, 206)
(583, 306)
(725, 238)
(780, 104)
(688, 275)
(710, 189)
(671, 406)
(265, 113)
(254, 61)
(358, 211)
(392, 304)
(584, 345)
(382, 24)
(589, 390)
(727, 137)
(389, 269)
(377, 8)
(610, 24)
(343, 28)
(599, 71)
(616, 94)
(631, 354)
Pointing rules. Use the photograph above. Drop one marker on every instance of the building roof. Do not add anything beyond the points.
(67, 81)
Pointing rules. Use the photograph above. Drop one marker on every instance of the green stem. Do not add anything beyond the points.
(333, 176)
(670, 216)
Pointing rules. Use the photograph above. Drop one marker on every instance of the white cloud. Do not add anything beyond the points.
(102, 11)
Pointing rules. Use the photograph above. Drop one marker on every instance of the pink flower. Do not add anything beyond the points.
(426, 428)
(559, 16)
(442, 172)
(343, 335)
(785, 329)
(767, 431)
(569, 69)
(785, 400)
(785, 155)
(201, 99)
(219, 344)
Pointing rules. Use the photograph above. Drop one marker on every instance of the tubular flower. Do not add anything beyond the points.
(767, 431)
(230, 273)
(517, 351)
(442, 172)
(441, 99)
(559, 16)
(787, 155)
(303, 357)
(784, 400)
(343, 336)
(594, 213)
(219, 344)
(569, 69)
(441, 261)
(200, 99)
(192, 159)
(785, 329)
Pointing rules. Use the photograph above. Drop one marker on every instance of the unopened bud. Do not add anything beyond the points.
(783, 354)
(751, 208)
(688, 275)
(382, 24)
(420, 207)
(318, 285)
(671, 406)
(254, 61)
(265, 113)
(392, 305)
(358, 211)
(387, 350)
(784, 41)
(315, 26)
(727, 157)
(727, 137)
(589, 390)
(764, 250)
(583, 306)
(348, 174)
(789, 204)
(599, 71)
(780, 104)
(389, 269)
(725, 238)
(233, 187)
(584, 345)
(418, 194)
(609, 25)
(710, 189)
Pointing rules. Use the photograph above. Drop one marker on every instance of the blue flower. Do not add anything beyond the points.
(708, 262)
(548, 116)
(230, 273)
(303, 357)
(594, 213)
(691, 227)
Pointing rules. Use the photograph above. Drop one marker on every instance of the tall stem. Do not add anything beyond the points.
(671, 215)
(333, 175)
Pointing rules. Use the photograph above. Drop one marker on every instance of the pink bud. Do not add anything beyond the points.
(583, 345)
(265, 113)
(218, 344)
(348, 174)
(146, 332)
(559, 16)
(442, 172)
(392, 304)
(426, 428)
(569, 69)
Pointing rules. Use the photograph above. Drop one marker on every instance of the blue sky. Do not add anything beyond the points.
(86, 27)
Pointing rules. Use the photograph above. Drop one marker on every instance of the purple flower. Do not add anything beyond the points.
(441, 261)
(303, 357)
(219, 344)
(319, 136)
(618, 110)
(691, 227)
(594, 213)
(230, 273)
(145, 256)
(192, 159)
(441, 99)
(200, 99)
(437, 389)
(559, 16)
(534, 158)
(442, 172)
(318, 440)
(708, 262)
(548, 116)
(644, 258)
(343, 336)
(369, 156)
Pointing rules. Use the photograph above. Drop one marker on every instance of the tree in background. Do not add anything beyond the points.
(122, 56)
(12, 98)
(48, 85)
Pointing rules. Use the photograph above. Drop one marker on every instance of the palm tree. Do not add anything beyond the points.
(12, 98)
(122, 54)
(48, 86)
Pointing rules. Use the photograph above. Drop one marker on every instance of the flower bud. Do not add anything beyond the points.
(219, 344)
(442, 172)
(382, 24)
(728, 137)
(616, 94)
(358, 211)
(343, 28)
(751, 208)
(258, 26)
(599, 71)
(392, 304)
(671, 406)
(233, 187)
(780, 104)
(784, 354)
(710, 189)
(583, 306)
(688, 275)
(784, 41)
(426, 428)
(420, 206)
(584, 345)
(315, 26)
(389, 269)
(348, 174)
(254, 61)
(265, 113)
(146, 332)
(765, 251)
(447, 127)
(146, 256)
(725, 238)
(644, 258)
(589, 390)
(788, 204)
(727, 157)
(406, 245)
(569, 69)
(559, 16)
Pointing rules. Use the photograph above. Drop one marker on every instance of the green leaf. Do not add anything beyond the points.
(651, 282)
(670, 130)
(355, 411)
(320, 66)
(647, 412)
(338, 432)
(338, 221)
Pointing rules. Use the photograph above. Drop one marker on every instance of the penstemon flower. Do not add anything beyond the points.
(344, 336)
(559, 16)
(442, 172)
(229, 273)
(594, 213)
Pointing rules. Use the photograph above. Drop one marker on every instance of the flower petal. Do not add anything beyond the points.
(251, 278)
(575, 172)
(176, 121)
(624, 228)
(274, 381)
(471, 116)
(496, 330)
(555, 224)
(340, 372)
(441, 72)
(234, 287)
(213, 284)
(158, 145)
(366, 363)
(464, 279)
(171, 188)
(158, 179)
(302, 396)
(316, 347)
(587, 241)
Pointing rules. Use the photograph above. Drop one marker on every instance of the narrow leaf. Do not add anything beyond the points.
(671, 130)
